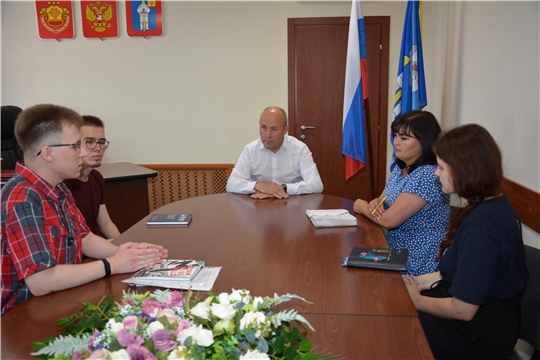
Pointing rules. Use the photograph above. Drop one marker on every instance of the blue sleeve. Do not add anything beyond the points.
(425, 184)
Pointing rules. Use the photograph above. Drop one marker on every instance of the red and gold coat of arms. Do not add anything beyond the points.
(55, 19)
(99, 19)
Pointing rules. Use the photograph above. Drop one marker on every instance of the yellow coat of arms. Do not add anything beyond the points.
(99, 15)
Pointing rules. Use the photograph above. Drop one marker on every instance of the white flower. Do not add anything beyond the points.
(240, 295)
(199, 336)
(177, 354)
(255, 319)
(114, 326)
(224, 298)
(254, 354)
(121, 354)
(223, 311)
(257, 300)
(153, 327)
(252, 318)
(201, 310)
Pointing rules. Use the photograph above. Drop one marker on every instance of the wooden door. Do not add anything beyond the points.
(317, 49)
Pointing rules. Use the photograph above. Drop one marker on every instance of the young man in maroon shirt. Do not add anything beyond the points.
(89, 188)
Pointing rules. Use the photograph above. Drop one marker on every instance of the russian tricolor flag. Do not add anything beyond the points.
(356, 91)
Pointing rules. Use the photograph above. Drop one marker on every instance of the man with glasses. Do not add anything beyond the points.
(44, 235)
(89, 188)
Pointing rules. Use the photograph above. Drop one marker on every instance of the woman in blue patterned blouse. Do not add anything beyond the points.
(413, 206)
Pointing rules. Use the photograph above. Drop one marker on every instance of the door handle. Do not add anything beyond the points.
(304, 127)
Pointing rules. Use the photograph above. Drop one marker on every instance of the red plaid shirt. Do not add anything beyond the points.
(41, 227)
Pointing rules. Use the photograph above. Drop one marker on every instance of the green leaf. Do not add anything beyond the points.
(289, 354)
(293, 335)
(262, 346)
(279, 345)
(305, 346)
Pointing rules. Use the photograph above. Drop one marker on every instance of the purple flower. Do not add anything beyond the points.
(130, 322)
(126, 339)
(137, 352)
(175, 299)
(182, 325)
(162, 340)
(91, 342)
(150, 305)
(77, 355)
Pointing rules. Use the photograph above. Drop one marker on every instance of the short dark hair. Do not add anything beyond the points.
(41, 121)
(424, 126)
(91, 120)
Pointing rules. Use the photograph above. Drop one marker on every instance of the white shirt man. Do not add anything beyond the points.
(275, 165)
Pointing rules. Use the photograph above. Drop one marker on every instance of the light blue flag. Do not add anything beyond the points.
(411, 82)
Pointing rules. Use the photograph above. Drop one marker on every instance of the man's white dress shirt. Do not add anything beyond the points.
(292, 165)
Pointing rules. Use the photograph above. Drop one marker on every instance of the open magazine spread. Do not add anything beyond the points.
(170, 269)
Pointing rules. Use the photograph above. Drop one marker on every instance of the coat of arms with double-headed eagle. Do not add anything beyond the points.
(99, 15)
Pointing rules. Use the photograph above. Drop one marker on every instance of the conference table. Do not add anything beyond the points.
(264, 246)
(126, 187)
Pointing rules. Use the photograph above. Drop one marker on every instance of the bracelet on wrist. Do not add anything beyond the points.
(107, 266)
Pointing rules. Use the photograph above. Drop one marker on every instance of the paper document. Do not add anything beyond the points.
(331, 212)
(331, 218)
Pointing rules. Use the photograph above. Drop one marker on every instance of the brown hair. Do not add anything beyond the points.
(475, 164)
(42, 121)
(91, 120)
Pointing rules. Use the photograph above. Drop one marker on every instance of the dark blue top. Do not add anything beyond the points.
(487, 258)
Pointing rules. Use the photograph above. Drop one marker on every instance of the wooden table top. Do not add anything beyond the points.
(267, 247)
(124, 170)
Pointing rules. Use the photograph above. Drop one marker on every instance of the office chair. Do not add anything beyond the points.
(11, 151)
(530, 306)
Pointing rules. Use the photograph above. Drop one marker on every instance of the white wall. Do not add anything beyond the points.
(194, 95)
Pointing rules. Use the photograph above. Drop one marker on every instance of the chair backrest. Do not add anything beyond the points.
(530, 306)
(11, 151)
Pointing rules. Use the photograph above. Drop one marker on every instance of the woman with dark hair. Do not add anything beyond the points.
(470, 308)
(413, 206)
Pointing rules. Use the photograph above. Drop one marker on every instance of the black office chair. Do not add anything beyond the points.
(11, 151)
(530, 306)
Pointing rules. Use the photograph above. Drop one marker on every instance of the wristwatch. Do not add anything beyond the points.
(284, 186)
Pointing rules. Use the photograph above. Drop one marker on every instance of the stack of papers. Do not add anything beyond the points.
(203, 281)
(331, 218)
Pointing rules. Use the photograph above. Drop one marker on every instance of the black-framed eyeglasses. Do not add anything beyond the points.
(92, 143)
(75, 146)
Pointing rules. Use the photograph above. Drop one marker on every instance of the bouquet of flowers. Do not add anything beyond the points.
(164, 324)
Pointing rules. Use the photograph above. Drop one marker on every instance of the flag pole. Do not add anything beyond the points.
(370, 147)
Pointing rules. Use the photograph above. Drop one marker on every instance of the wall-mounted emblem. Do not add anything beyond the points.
(99, 19)
(144, 18)
(55, 19)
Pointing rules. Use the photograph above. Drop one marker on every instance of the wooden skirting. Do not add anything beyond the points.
(525, 201)
(175, 182)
